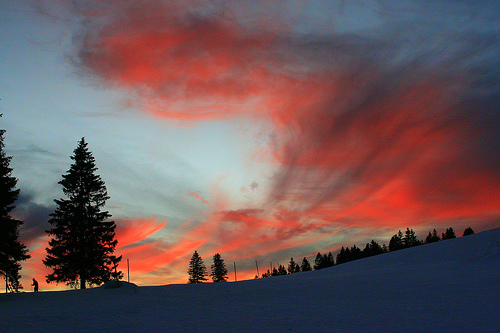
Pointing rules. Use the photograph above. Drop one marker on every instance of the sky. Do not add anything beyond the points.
(258, 130)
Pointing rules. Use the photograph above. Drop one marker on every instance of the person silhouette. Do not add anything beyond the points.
(35, 284)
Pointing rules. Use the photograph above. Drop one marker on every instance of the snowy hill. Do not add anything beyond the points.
(449, 286)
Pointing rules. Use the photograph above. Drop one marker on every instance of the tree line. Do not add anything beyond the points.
(397, 242)
(198, 272)
(82, 238)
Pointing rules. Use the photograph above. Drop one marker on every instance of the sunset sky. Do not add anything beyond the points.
(260, 130)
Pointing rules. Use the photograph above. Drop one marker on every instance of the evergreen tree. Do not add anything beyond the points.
(115, 273)
(297, 268)
(431, 238)
(385, 249)
(12, 251)
(319, 262)
(468, 231)
(219, 270)
(282, 270)
(197, 270)
(396, 242)
(341, 256)
(330, 261)
(356, 253)
(82, 240)
(410, 239)
(372, 249)
(305, 266)
(291, 266)
(266, 274)
(448, 234)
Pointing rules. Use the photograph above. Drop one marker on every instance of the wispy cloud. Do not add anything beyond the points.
(375, 129)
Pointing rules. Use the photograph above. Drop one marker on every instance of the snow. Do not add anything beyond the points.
(449, 286)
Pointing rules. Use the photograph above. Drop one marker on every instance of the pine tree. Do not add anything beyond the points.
(82, 241)
(372, 249)
(396, 242)
(267, 274)
(12, 251)
(356, 253)
(468, 231)
(282, 270)
(431, 238)
(341, 257)
(115, 273)
(448, 234)
(219, 270)
(291, 266)
(330, 261)
(305, 266)
(197, 270)
(319, 262)
(410, 239)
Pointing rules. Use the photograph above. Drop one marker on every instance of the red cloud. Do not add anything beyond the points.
(129, 232)
(363, 138)
(182, 65)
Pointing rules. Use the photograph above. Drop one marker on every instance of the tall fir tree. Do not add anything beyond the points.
(305, 266)
(396, 242)
(12, 251)
(282, 270)
(432, 238)
(197, 270)
(330, 260)
(83, 241)
(219, 270)
(410, 239)
(448, 234)
(319, 262)
(291, 266)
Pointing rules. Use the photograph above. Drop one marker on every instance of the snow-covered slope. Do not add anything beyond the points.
(450, 286)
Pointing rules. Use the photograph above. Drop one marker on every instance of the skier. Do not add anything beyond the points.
(35, 284)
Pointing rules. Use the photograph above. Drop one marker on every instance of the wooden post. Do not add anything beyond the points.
(234, 271)
(128, 272)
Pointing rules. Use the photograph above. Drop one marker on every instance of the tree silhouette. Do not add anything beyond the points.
(219, 270)
(305, 266)
(396, 242)
(266, 274)
(82, 240)
(431, 238)
(197, 270)
(328, 260)
(319, 262)
(341, 256)
(448, 234)
(468, 231)
(410, 239)
(372, 249)
(291, 266)
(12, 251)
